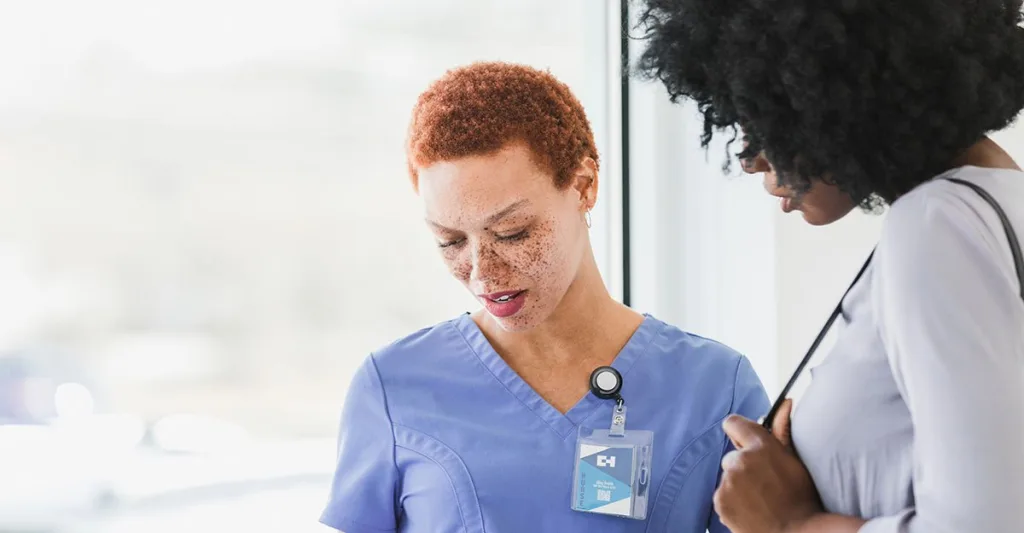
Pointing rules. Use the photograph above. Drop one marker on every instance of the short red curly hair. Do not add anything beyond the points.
(480, 108)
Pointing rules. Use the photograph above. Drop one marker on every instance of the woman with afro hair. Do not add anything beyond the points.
(914, 423)
(471, 425)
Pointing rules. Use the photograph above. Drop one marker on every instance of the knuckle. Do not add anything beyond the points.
(729, 460)
(743, 461)
(719, 500)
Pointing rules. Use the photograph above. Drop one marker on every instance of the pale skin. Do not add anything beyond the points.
(765, 487)
(502, 225)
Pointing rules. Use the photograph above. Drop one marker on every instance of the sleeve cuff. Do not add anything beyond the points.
(887, 524)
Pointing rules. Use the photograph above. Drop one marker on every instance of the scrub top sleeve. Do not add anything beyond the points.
(364, 489)
(749, 400)
(749, 397)
(952, 323)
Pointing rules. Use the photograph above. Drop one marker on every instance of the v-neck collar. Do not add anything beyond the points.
(635, 347)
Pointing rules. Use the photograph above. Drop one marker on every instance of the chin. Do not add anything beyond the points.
(514, 324)
(817, 220)
(526, 319)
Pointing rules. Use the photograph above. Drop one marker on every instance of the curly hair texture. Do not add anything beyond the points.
(873, 96)
(481, 108)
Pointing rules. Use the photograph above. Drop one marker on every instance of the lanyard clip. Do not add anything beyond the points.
(618, 418)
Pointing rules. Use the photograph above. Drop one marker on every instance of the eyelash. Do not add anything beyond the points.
(518, 236)
(515, 237)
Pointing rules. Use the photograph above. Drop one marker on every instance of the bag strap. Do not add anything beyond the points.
(1018, 263)
(1011, 236)
(770, 417)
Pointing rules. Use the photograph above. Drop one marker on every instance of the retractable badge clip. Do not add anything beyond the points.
(612, 466)
(605, 383)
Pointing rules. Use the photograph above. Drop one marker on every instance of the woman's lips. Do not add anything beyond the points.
(504, 304)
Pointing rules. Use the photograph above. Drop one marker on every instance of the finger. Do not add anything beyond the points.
(742, 431)
(781, 426)
(721, 500)
(730, 460)
(718, 500)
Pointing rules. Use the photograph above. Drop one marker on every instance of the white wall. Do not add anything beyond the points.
(703, 244)
(1012, 139)
(814, 265)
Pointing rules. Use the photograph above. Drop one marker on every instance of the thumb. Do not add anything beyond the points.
(742, 432)
(781, 424)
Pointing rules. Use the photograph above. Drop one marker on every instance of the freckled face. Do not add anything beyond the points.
(506, 232)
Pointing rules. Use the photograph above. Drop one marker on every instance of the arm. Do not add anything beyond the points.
(363, 491)
(829, 523)
(750, 401)
(953, 327)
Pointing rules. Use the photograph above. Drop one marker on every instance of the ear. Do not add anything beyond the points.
(585, 182)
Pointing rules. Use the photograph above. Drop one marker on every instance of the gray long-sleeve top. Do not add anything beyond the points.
(915, 420)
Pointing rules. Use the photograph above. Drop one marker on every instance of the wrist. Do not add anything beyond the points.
(802, 523)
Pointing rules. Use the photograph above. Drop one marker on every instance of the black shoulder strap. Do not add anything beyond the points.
(1018, 263)
(767, 421)
(1011, 236)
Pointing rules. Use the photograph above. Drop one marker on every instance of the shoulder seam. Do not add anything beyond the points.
(735, 381)
(391, 425)
(732, 400)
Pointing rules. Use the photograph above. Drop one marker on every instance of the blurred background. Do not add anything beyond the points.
(206, 225)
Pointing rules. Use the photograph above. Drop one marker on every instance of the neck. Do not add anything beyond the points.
(986, 153)
(583, 321)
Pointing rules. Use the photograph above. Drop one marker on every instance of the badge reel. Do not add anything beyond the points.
(613, 465)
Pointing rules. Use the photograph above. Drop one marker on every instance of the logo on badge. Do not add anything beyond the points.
(605, 461)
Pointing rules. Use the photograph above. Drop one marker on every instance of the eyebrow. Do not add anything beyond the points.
(492, 219)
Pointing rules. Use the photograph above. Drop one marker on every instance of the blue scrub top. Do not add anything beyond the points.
(440, 435)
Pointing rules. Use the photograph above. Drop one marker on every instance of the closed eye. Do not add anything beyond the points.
(518, 236)
(449, 244)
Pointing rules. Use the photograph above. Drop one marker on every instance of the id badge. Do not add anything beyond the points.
(613, 470)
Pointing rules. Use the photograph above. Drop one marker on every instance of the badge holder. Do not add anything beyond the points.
(613, 466)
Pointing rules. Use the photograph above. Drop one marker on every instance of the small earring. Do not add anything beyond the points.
(586, 218)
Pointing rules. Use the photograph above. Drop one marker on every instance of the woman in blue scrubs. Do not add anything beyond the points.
(471, 425)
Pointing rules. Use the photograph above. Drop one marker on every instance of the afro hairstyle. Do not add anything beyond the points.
(873, 96)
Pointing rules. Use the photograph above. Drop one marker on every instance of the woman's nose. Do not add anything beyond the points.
(486, 263)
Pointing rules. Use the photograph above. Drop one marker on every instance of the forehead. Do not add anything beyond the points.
(472, 188)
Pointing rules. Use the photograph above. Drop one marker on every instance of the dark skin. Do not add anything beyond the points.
(824, 204)
(765, 487)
